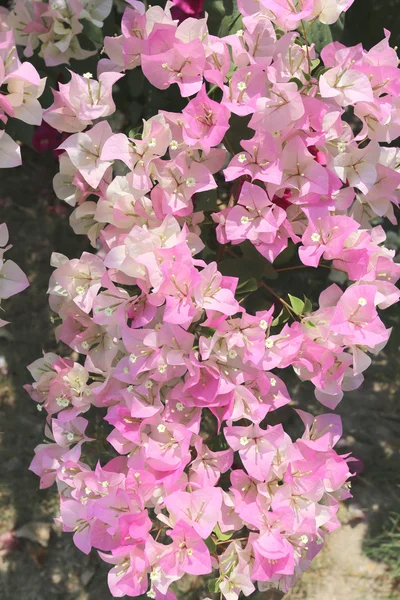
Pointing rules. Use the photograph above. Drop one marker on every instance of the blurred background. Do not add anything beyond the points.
(361, 561)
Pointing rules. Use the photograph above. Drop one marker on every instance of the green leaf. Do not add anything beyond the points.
(320, 35)
(213, 585)
(92, 33)
(247, 287)
(307, 306)
(135, 133)
(337, 29)
(321, 71)
(297, 304)
(223, 17)
(222, 537)
(282, 318)
(297, 81)
(209, 542)
(231, 23)
(315, 63)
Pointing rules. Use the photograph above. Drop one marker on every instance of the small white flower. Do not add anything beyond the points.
(132, 358)
(161, 428)
(63, 402)
(263, 324)
(162, 368)
(241, 86)
(179, 406)
(108, 311)
(269, 343)
(39, 407)
(87, 75)
(155, 575)
(362, 301)
(244, 220)
(152, 143)
(70, 437)
(244, 441)
(240, 33)
(242, 158)
(273, 381)
(85, 345)
(190, 182)
(148, 384)
(315, 237)
(174, 145)
(232, 354)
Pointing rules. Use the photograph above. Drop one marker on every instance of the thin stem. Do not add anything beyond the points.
(307, 46)
(243, 539)
(289, 268)
(285, 304)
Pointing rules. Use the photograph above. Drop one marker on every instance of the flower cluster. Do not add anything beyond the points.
(20, 88)
(12, 279)
(53, 27)
(185, 375)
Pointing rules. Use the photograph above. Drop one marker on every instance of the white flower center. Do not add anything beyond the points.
(190, 182)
